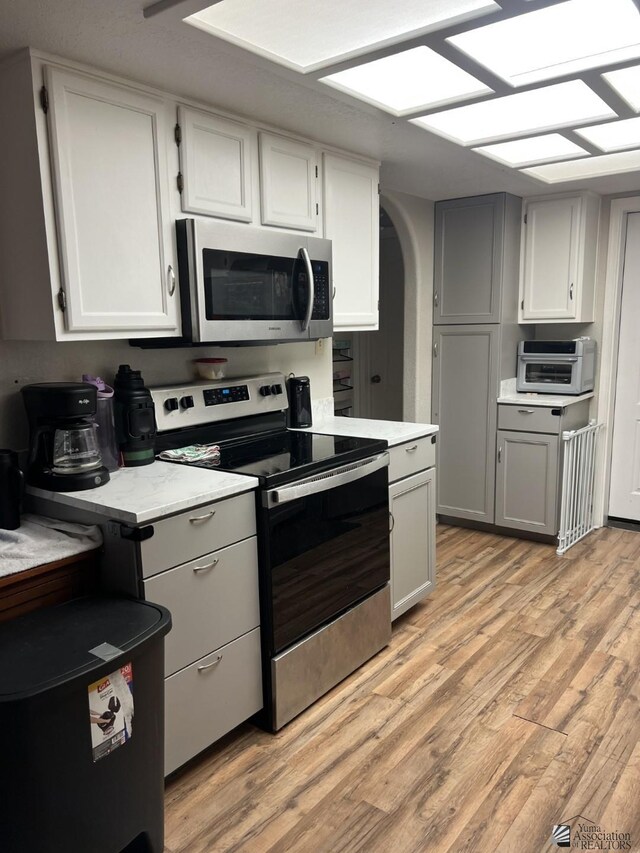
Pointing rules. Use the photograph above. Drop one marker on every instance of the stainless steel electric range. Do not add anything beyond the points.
(323, 531)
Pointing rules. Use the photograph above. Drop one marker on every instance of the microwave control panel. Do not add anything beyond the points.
(321, 299)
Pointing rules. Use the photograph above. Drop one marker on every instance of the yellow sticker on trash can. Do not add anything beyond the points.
(111, 711)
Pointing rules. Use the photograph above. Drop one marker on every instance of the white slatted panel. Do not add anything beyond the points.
(576, 513)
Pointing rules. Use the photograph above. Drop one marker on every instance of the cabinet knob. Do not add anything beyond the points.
(376, 379)
(171, 280)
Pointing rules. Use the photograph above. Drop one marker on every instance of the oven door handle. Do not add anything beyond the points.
(553, 358)
(328, 480)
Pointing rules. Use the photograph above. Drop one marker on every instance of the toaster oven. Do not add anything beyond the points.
(556, 367)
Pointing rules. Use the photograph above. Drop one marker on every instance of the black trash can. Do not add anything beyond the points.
(82, 728)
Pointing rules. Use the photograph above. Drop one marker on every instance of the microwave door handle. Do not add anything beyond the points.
(309, 312)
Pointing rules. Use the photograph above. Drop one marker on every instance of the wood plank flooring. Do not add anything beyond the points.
(507, 702)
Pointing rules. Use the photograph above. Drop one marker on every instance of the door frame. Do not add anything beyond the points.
(620, 210)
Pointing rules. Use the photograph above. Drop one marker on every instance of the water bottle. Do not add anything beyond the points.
(11, 489)
(135, 417)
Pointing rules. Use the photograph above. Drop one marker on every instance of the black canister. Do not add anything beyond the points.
(135, 417)
(299, 389)
(11, 488)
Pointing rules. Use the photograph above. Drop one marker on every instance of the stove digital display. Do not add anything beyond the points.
(232, 394)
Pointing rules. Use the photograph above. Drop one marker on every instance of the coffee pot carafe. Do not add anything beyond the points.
(64, 454)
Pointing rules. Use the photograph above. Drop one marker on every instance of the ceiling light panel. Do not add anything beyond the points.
(535, 149)
(615, 135)
(626, 82)
(556, 40)
(590, 167)
(409, 81)
(309, 36)
(521, 114)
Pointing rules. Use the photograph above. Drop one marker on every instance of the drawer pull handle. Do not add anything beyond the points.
(525, 411)
(205, 517)
(206, 568)
(206, 666)
(411, 449)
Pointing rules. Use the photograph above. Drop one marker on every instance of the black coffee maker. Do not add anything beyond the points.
(64, 454)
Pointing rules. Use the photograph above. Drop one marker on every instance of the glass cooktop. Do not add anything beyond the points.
(288, 455)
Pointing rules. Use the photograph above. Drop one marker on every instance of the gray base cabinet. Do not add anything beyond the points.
(465, 377)
(412, 504)
(527, 481)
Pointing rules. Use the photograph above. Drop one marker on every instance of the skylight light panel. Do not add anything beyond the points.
(615, 135)
(521, 114)
(409, 81)
(534, 149)
(626, 82)
(556, 40)
(309, 36)
(590, 167)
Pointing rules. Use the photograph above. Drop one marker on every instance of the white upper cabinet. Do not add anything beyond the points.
(351, 222)
(108, 154)
(288, 183)
(558, 258)
(216, 156)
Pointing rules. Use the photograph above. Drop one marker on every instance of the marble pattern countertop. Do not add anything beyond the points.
(141, 495)
(508, 394)
(395, 432)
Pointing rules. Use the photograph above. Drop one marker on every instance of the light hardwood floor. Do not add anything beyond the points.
(507, 702)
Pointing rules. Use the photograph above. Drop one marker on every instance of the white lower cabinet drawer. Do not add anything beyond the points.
(215, 694)
(212, 600)
(411, 457)
(199, 531)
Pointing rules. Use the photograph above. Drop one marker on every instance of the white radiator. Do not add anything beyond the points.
(578, 470)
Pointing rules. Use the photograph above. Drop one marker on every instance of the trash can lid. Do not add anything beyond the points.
(49, 647)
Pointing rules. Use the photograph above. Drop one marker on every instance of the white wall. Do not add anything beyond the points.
(25, 362)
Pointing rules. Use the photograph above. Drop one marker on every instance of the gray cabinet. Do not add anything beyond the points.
(527, 481)
(412, 504)
(529, 463)
(465, 379)
(476, 259)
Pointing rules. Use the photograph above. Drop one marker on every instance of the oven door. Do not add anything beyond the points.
(548, 374)
(325, 547)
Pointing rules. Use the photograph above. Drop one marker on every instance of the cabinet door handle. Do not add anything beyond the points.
(435, 350)
(196, 518)
(171, 280)
(525, 411)
(571, 291)
(206, 666)
(392, 522)
(206, 568)
(499, 454)
(411, 449)
(333, 296)
(436, 299)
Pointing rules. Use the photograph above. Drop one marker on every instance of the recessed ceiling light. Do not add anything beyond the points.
(535, 149)
(409, 81)
(590, 167)
(556, 40)
(309, 36)
(626, 82)
(551, 107)
(615, 135)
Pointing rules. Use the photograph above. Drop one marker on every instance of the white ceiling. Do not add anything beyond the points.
(168, 54)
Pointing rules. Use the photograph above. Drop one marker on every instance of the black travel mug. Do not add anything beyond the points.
(11, 488)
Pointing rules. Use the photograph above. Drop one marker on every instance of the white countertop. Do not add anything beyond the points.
(395, 432)
(508, 394)
(140, 495)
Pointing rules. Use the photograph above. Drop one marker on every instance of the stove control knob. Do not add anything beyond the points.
(186, 402)
(171, 404)
(265, 390)
(276, 389)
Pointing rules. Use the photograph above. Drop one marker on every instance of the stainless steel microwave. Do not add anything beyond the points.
(556, 367)
(248, 285)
